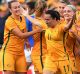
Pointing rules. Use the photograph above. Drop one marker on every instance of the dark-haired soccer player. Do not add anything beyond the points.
(56, 60)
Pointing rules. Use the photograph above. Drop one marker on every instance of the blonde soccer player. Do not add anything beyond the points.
(39, 50)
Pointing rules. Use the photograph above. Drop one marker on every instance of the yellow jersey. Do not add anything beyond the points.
(76, 43)
(12, 43)
(54, 40)
(39, 40)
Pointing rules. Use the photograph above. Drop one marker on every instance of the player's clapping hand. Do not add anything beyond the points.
(24, 12)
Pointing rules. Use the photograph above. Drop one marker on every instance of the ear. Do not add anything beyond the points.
(54, 19)
(58, 20)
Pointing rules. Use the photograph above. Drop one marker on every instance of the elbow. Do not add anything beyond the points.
(66, 28)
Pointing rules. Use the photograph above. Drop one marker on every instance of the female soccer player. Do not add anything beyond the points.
(12, 54)
(56, 60)
(39, 49)
(74, 37)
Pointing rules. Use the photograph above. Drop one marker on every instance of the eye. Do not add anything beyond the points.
(68, 11)
(62, 7)
(59, 6)
(15, 7)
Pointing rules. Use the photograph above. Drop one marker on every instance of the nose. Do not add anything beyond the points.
(65, 12)
(18, 8)
(61, 8)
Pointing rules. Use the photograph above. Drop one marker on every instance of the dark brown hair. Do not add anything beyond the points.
(10, 2)
(40, 9)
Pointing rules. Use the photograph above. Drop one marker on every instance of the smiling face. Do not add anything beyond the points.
(15, 8)
(68, 13)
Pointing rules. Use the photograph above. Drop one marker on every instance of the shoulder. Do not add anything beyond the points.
(9, 19)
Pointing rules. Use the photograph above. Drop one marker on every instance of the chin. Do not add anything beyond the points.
(18, 14)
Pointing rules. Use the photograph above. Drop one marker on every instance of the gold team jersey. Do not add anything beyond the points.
(54, 40)
(38, 41)
(76, 46)
(74, 28)
(12, 43)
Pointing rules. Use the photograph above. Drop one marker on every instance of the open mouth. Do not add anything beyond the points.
(66, 15)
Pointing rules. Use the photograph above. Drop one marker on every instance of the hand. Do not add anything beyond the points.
(39, 30)
(24, 12)
(73, 18)
(69, 24)
(27, 44)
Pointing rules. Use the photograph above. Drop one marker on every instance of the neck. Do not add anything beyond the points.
(17, 17)
(62, 17)
(52, 26)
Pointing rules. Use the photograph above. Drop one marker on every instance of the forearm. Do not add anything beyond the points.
(24, 35)
(33, 20)
(68, 26)
(27, 34)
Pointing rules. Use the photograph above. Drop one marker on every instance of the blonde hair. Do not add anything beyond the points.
(72, 7)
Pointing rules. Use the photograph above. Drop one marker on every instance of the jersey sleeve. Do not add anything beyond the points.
(10, 24)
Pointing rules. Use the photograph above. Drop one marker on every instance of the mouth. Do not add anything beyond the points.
(67, 16)
(17, 11)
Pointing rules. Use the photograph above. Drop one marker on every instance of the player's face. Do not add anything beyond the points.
(50, 22)
(61, 8)
(15, 8)
(68, 13)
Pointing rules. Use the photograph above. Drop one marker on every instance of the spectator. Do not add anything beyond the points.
(73, 2)
(3, 16)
